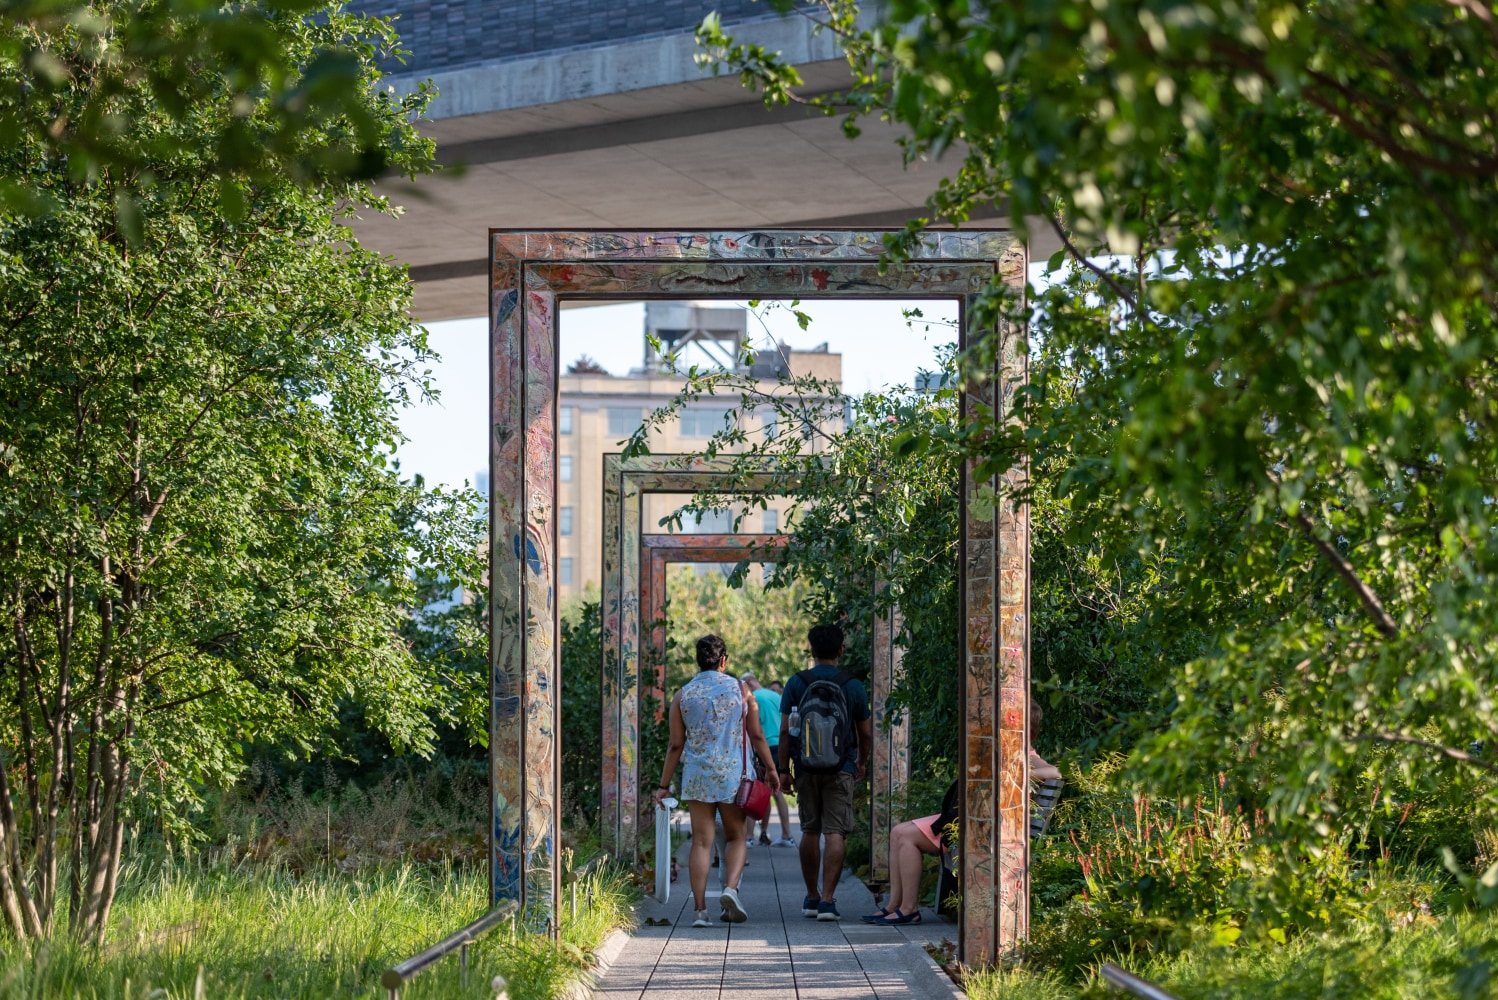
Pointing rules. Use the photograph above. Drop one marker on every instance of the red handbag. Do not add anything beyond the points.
(753, 795)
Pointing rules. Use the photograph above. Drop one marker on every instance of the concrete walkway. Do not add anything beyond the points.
(777, 954)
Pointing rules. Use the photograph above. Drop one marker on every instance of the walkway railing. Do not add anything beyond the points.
(399, 975)
(1125, 980)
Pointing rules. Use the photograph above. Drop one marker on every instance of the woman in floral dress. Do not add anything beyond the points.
(709, 716)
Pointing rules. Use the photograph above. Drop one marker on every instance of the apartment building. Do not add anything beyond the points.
(598, 412)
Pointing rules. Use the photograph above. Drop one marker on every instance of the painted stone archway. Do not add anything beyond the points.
(889, 768)
(530, 273)
(626, 482)
(634, 586)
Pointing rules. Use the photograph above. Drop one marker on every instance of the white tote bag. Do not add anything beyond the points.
(663, 850)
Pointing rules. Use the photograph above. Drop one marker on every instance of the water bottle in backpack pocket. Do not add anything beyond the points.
(827, 736)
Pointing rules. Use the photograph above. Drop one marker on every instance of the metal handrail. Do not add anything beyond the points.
(1127, 981)
(578, 874)
(397, 976)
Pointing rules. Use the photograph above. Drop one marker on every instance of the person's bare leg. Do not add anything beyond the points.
(909, 863)
(832, 864)
(895, 881)
(703, 834)
(811, 862)
(736, 849)
(785, 816)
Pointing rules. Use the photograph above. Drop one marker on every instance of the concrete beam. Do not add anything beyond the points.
(585, 75)
(635, 135)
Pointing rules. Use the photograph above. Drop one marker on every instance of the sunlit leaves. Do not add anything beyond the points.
(1282, 376)
(242, 92)
(199, 377)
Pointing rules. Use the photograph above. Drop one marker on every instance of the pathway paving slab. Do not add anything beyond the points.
(778, 954)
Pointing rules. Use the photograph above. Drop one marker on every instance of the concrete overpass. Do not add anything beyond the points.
(593, 113)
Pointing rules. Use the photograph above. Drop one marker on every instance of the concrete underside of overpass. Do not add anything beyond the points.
(634, 135)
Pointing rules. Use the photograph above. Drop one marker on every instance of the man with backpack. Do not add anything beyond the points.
(825, 729)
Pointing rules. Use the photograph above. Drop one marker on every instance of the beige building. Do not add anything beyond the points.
(599, 412)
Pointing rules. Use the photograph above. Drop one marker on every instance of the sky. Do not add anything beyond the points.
(446, 438)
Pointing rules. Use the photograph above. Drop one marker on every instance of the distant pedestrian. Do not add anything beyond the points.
(709, 717)
(769, 720)
(824, 719)
(777, 687)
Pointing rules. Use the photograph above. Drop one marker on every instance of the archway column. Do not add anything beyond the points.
(889, 771)
(525, 769)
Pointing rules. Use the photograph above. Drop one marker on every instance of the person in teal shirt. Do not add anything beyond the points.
(769, 708)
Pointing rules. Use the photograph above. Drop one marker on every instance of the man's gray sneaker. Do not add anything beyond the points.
(827, 910)
(809, 906)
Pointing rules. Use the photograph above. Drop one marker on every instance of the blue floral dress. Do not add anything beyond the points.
(712, 706)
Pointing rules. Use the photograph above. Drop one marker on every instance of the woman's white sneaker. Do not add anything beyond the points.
(702, 920)
(732, 908)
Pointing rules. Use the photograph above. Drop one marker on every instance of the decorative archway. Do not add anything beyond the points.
(530, 273)
(626, 481)
(889, 770)
(628, 575)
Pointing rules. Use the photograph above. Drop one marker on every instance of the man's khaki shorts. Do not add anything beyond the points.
(825, 802)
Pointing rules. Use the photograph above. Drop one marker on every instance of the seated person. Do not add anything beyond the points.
(911, 840)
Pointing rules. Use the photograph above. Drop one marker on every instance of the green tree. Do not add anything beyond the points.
(765, 627)
(90, 83)
(1283, 372)
(206, 542)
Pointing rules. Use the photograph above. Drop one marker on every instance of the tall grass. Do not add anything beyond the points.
(250, 930)
(293, 896)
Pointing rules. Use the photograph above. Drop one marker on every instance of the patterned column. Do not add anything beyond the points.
(653, 615)
(978, 751)
(995, 556)
(1013, 675)
(629, 668)
(609, 673)
(506, 507)
(889, 772)
(524, 711)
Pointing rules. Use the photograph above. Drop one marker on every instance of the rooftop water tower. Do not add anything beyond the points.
(694, 333)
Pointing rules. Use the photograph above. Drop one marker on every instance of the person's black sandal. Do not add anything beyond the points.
(896, 918)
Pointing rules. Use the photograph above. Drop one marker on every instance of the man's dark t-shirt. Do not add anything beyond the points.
(858, 704)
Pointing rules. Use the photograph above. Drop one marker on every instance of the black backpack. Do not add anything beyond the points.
(827, 737)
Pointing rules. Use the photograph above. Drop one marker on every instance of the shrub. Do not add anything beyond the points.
(1123, 874)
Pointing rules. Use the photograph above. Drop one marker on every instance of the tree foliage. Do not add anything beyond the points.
(1264, 363)
(206, 542)
(252, 95)
(581, 643)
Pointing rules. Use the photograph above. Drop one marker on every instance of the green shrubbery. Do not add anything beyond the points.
(1192, 894)
(1125, 874)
